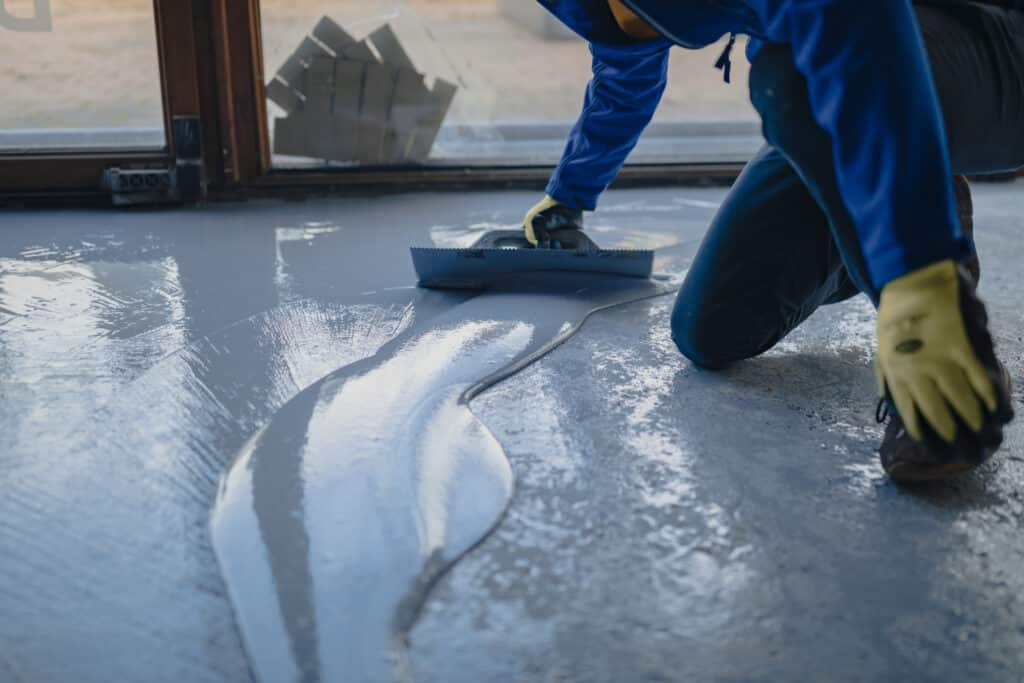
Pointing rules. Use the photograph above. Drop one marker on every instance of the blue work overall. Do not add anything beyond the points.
(853, 187)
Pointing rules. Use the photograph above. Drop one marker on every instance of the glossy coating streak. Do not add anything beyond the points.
(139, 351)
(340, 513)
(668, 524)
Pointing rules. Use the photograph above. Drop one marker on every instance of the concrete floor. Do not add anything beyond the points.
(667, 524)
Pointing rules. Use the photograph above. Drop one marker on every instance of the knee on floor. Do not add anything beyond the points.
(703, 344)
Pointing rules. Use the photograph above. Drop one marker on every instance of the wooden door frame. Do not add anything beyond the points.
(211, 69)
(78, 174)
(210, 55)
(253, 172)
(236, 52)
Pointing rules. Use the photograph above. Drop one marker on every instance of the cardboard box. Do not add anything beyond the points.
(356, 101)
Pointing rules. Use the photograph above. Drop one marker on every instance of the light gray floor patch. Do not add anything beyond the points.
(341, 513)
(666, 524)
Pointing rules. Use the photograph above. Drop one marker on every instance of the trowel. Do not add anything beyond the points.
(502, 256)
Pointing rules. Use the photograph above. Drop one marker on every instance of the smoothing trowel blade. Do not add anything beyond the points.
(475, 268)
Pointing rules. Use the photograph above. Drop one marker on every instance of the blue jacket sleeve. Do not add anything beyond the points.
(620, 101)
(871, 89)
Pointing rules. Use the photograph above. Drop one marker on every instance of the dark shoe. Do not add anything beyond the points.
(965, 209)
(906, 460)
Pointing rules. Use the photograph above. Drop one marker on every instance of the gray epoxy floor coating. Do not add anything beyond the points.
(667, 524)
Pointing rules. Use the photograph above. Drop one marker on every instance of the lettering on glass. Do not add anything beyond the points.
(41, 19)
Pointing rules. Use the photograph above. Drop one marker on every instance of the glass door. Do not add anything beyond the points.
(79, 75)
(457, 83)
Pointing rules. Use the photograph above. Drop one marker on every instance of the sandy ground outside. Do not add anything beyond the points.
(97, 68)
(505, 72)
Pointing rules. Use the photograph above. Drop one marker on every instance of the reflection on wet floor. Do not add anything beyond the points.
(348, 505)
(667, 523)
(138, 353)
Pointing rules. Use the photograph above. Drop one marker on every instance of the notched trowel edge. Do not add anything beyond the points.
(500, 255)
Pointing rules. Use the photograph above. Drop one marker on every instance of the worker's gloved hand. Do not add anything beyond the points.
(553, 225)
(932, 361)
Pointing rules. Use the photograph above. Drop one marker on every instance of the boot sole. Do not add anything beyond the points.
(914, 474)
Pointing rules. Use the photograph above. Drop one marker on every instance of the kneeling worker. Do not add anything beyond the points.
(868, 109)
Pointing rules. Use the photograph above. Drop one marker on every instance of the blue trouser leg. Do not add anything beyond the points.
(779, 93)
(767, 262)
(783, 242)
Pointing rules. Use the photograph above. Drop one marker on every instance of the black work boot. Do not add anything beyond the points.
(906, 460)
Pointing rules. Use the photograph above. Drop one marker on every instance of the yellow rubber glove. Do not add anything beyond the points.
(925, 358)
(549, 215)
(541, 206)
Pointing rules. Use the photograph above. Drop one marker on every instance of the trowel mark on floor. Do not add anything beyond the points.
(622, 238)
(707, 563)
(342, 536)
(307, 233)
(341, 513)
(852, 332)
(132, 498)
(641, 206)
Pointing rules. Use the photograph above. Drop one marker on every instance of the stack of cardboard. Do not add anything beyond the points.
(356, 101)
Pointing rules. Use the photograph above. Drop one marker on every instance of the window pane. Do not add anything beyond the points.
(79, 74)
(451, 82)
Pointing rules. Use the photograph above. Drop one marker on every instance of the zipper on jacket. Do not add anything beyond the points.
(724, 62)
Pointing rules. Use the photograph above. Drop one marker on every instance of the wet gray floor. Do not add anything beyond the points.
(341, 513)
(667, 523)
